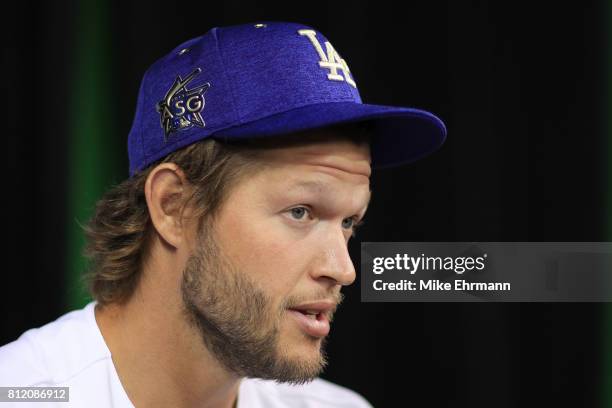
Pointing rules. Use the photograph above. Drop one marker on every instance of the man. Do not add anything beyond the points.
(217, 265)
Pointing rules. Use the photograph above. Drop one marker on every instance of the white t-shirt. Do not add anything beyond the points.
(71, 352)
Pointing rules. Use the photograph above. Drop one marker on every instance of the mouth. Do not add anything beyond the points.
(313, 318)
(316, 324)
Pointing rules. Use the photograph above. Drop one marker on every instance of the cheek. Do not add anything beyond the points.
(264, 250)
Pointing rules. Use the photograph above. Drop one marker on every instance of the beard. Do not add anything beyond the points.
(237, 321)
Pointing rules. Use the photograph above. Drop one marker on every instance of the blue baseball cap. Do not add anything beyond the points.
(264, 79)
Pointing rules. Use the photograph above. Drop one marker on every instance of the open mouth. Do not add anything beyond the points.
(310, 314)
(312, 322)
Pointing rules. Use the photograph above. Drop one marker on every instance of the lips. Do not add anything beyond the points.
(313, 318)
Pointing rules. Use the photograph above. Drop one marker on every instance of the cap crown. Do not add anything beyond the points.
(231, 76)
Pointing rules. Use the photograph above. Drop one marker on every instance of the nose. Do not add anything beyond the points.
(334, 261)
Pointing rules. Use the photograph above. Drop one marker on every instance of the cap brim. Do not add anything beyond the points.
(400, 135)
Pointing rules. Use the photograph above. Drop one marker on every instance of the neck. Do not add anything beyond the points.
(160, 359)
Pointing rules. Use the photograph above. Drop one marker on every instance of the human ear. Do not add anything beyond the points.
(165, 190)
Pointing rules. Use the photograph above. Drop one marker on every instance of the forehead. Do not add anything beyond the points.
(325, 150)
(336, 171)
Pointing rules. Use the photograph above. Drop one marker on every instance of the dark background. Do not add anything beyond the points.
(523, 89)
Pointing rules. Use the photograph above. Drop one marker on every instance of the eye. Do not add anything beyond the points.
(348, 223)
(352, 224)
(298, 213)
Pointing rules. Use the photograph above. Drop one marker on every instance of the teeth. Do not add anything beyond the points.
(311, 314)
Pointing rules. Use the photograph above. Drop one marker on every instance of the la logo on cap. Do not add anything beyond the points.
(331, 61)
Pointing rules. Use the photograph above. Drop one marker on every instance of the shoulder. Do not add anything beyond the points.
(53, 353)
(317, 393)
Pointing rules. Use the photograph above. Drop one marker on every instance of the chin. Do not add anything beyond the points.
(302, 368)
(301, 349)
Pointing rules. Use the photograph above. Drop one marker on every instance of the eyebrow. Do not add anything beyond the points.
(315, 186)
(320, 188)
